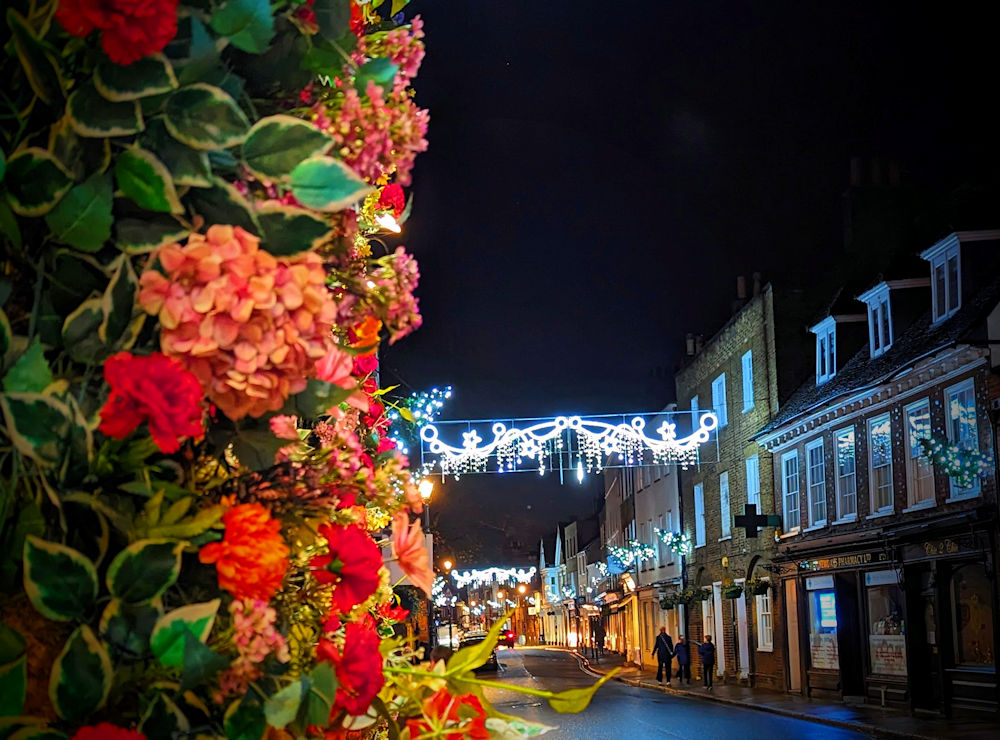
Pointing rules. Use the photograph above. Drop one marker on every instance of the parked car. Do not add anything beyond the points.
(507, 638)
(491, 664)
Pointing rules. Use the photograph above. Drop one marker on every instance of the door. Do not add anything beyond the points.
(851, 645)
(719, 637)
(742, 633)
(924, 639)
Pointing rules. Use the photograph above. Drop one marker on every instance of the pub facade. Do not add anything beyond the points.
(885, 468)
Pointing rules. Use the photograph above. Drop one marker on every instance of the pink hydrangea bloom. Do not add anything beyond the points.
(249, 325)
(255, 638)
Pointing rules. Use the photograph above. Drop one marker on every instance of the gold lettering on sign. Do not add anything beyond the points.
(942, 547)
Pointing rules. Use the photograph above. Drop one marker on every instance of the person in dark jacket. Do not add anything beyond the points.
(663, 649)
(706, 651)
(683, 660)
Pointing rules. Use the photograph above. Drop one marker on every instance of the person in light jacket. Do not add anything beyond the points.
(706, 651)
(683, 660)
(663, 649)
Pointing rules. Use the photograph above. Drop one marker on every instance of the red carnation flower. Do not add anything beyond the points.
(352, 565)
(392, 197)
(156, 389)
(358, 667)
(450, 716)
(130, 29)
(252, 557)
(107, 731)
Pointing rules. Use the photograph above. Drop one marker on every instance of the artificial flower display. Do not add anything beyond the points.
(200, 492)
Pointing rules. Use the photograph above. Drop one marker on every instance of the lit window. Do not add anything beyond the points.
(790, 490)
(960, 420)
(880, 444)
(719, 399)
(816, 473)
(847, 484)
(724, 505)
(699, 515)
(919, 470)
(765, 630)
(747, 380)
(826, 349)
(753, 481)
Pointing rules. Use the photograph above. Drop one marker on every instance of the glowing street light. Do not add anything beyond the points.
(426, 487)
(521, 589)
(447, 565)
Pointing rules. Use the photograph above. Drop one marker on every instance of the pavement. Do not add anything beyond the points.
(867, 719)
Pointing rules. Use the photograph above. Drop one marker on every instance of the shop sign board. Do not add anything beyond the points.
(888, 654)
(854, 560)
(823, 651)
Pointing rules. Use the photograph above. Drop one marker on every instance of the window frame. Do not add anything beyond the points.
(816, 444)
(969, 384)
(753, 492)
(746, 363)
(719, 388)
(826, 349)
(786, 494)
(880, 330)
(872, 485)
(909, 458)
(765, 645)
(725, 511)
(838, 478)
(699, 516)
(942, 260)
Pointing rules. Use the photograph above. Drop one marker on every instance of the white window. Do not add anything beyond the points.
(719, 399)
(919, 469)
(946, 275)
(699, 515)
(826, 349)
(747, 380)
(960, 425)
(661, 546)
(708, 617)
(879, 319)
(765, 630)
(724, 505)
(753, 481)
(880, 462)
(847, 480)
(816, 474)
(790, 490)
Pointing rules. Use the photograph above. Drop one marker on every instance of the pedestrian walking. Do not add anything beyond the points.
(683, 661)
(663, 649)
(706, 651)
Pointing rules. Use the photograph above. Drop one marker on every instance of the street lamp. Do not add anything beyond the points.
(426, 488)
(447, 565)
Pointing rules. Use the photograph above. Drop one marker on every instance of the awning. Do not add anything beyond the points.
(622, 604)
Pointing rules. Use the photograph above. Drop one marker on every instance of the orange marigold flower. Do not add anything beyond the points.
(252, 558)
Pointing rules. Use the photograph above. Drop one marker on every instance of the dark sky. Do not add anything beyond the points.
(600, 173)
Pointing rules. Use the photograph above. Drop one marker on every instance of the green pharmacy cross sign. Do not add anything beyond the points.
(750, 520)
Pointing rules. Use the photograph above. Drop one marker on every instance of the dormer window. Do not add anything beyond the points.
(879, 319)
(946, 275)
(826, 349)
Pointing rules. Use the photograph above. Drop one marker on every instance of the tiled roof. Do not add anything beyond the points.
(862, 371)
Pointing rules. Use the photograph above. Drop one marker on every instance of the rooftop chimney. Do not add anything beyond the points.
(689, 345)
(741, 287)
(756, 284)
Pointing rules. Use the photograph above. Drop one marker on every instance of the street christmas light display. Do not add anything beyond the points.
(678, 543)
(633, 553)
(566, 443)
(963, 465)
(481, 577)
(412, 413)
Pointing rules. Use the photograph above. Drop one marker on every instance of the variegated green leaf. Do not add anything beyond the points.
(13, 672)
(37, 60)
(163, 720)
(245, 720)
(187, 166)
(30, 374)
(126, 628)
(205, 117)
(79, 332)
(277, 144)
(81, 676)
(249, 24)
(140, 236)
(151, 75)
(83, 218)
(60, 581)
(327, 184)
(222, 204)
(93, 116)
(38, 425)
(288, 230)
(6, 334)
(169, 633)
(118, 302)
(142, 177)
(144, 570)
(35, 182)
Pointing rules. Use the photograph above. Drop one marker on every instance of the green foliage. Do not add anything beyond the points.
(127, 628)
(380, 71)
(169, 634)
(276, 144)
(327, 184)
(143, 235)
(144, 570)
(37, 59)
(205, 117)
(93, 116)
(13, 672)
(282, 708)
(248, 24)
(163, 719)
(30, 374)
(288, 230)
(245, 720)
(576, 700)
(200, 662)
(60, 581)
(142, 177)
(35, 182)
(83, 218)
(152, 75)
(81, 676)
(221, 203)
(333, 18)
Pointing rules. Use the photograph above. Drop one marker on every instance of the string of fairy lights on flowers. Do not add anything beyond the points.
(963, 465)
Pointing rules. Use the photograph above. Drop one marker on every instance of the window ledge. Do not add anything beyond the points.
(748, 409)
(845, 520)
(727, 537)
(967, 497)
(921, 506)
(880, 514)
(791, 533)
(814, 527)
(765, 649)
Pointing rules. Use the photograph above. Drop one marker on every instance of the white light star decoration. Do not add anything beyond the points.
(483, 576)
(568, 443)
(678, 543)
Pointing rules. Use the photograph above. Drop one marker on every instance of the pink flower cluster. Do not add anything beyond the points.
(380, 136)
(255, 638)
(249, 325)
(404, 48)
(396, 281)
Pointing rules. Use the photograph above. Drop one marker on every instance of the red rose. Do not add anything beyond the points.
(130, 29)
(358, 667)
(364, 365)
(107, 731)
(352, 565)
(450, 716)
(156, 389)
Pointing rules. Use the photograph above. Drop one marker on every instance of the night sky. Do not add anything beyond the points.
(600, 173)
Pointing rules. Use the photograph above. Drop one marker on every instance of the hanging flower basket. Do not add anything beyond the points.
(668, 602)
(732, 592)
(758, 586)
(701, 594)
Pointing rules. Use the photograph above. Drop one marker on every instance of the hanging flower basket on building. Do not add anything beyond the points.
(758, 586)
(668, 602)
(733, 591)
(692, 593)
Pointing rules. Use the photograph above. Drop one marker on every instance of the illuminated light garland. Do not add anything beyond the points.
(678, 543)
(960, 464)
(602, 567)
(424, 407)
(550, 441)
(483, 576)
(634, 553)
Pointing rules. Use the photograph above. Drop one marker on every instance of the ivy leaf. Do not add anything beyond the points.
(146, 180)
(81, 676)
(248, 24)
(30, 374)
(276, 144)
(151, 75)
(380, 71)
(333, 18)
(144, 570)
(327, 184)
(35, 182)
(83, 218)
(93, 116)
(205, 117)
(127, 628)
(245, 720)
